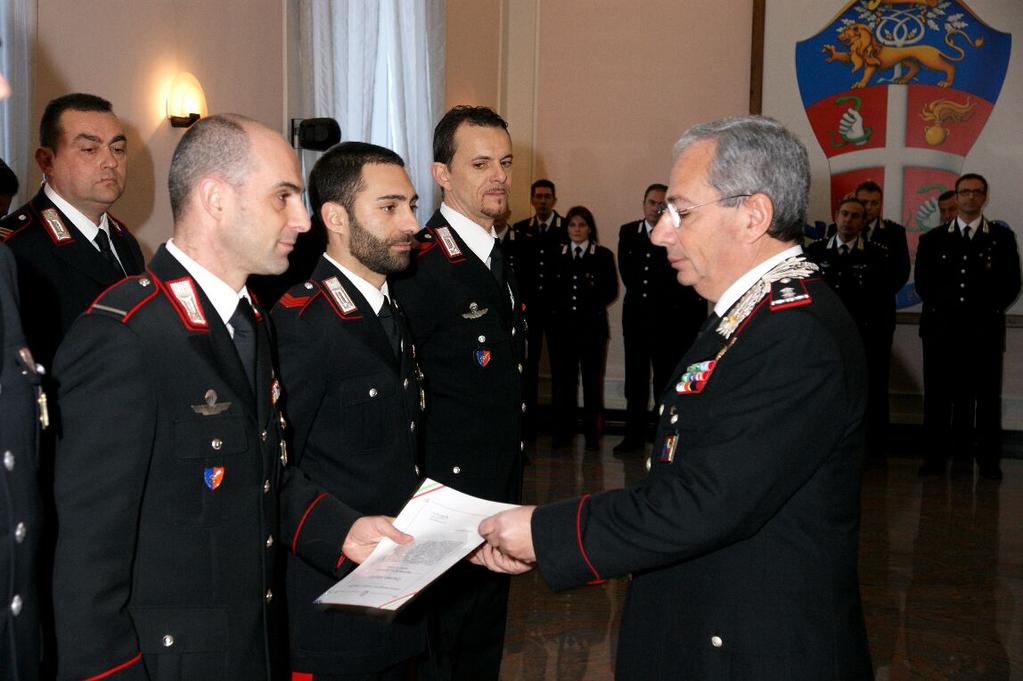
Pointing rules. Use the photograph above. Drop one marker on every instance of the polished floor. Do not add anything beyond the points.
(941, 575)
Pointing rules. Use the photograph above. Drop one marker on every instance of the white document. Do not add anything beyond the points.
(443, 522)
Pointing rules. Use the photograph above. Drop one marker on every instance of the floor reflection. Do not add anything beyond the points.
(941, 574)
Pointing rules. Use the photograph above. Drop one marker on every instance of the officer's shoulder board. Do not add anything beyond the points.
(16, 222)
(781, 288)
(123, 299)
(440, 237)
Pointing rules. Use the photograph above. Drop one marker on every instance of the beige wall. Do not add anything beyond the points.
(472, 52)
(128, 52)
(596, 92)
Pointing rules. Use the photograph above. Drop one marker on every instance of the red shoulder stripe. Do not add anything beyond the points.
(290, 301)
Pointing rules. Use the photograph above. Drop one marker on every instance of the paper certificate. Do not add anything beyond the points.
(443, 522)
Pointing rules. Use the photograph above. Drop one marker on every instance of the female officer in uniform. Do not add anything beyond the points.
(586, 283)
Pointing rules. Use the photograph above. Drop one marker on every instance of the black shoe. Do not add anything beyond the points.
(628, 446)
(931, 468)
(991, 471)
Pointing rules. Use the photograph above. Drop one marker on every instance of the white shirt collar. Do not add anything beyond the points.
(87, 227)
(544, 223)
(373, 295)
(223, 298)
(974, 226)
(743, 283)
(585, 245)
(647, 226)
(478, 238)
(836, 242)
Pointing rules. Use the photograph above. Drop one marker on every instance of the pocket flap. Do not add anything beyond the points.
(181, 630)
(209, 436)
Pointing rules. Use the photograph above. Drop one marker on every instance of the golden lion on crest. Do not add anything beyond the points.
(867, 53)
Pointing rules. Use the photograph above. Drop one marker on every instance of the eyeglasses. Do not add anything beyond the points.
(971, 192)
(678, 214)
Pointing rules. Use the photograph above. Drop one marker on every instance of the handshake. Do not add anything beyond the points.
(509, 542)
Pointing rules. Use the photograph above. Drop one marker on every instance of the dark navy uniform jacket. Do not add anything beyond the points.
(21, 514)
(167, 479)
(742, 541)
(653, 295)
(470, 342)
(60, 272)
(584, 288)
(534, 253)
(892, 236)
(967, 284)
(354, 408)
(863, 279)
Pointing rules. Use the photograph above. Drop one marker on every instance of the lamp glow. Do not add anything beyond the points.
(186, 101)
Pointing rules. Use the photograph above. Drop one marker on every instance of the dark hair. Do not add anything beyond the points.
(655, 187)
(216, 145)
(444, 133)
(587, 216)
(542, 183)
(972, 176)
(950, 194)
(757, 155)
(49, 124)
(337, 177)
(868, 186)
(852, 199)
(8, 180)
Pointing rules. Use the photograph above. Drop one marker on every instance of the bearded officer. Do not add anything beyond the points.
(353, 399)
(742, 540)
(172, 454)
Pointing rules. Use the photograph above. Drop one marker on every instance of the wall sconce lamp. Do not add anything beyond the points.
(186, 102)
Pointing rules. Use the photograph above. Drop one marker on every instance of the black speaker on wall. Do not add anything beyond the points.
(315, 134)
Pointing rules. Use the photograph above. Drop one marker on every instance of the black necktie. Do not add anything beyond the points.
(497, 263)
(243, 321)
(966, 232)
(578, 252)
(390, 323)
(709, 323)
(866, 233)
(103, 241)
(843, 249)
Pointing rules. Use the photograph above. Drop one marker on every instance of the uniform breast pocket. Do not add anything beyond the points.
(212, 470)
(183, 644)
(367, 404)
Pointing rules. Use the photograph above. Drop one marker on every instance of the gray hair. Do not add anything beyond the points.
(217, 145)
(754, 154)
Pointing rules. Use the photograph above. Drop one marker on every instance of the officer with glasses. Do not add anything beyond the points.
(742, 540)
(967, 275)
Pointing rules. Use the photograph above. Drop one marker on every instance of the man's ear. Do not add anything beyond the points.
(441, 175)
(211, 196)
(760, 212)
(334, 217)
(44, 159)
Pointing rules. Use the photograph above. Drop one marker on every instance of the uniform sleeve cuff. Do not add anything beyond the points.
(559, 540)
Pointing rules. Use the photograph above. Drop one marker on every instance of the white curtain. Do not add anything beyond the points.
(377, 66)
(18, 134)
